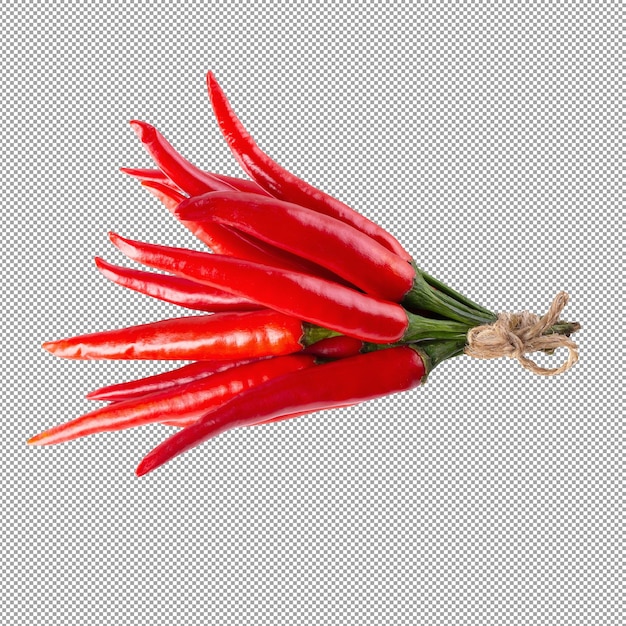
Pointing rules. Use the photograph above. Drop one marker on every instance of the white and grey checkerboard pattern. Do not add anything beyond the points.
(489, 137)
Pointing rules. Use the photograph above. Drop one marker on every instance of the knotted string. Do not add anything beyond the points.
(513, 335)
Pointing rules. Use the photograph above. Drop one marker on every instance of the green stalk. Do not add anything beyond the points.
(313, 334)
(443, 288)
(423, 296)
(435, 352)
(421, 328)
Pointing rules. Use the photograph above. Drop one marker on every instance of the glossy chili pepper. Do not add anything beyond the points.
(306, 297)
(309, 298)
(279, 182)
(226, 240)
(324, 240)
(181, 405)
(176, 290)
(157, 176)
(179, 170)
(218, 238)
(233, 335)
(347, 381)
(165, 380)
(166, 192)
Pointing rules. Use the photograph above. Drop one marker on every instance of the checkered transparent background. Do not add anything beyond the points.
(489, 138)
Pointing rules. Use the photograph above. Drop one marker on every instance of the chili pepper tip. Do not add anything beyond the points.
(50, 346)
(147, 465)
(37, 440)
(143, 130)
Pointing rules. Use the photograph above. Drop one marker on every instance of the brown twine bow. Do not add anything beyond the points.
(513, 335)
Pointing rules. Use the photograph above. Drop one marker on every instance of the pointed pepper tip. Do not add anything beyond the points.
(143, 130)
(37, 440)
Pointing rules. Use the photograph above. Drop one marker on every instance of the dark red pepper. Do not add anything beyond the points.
(338, 383)
(336, 347)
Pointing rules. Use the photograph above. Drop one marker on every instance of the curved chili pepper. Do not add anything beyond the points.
(157, 176)
(165, 380)
(182, 405)
(324, 240)
(175, 290)
(347, 381)
(166, 192)
(182, 172)
(218, 238)
(306, 297)
(226, 240)
(233, 335)
(148, 175)
(279, 182)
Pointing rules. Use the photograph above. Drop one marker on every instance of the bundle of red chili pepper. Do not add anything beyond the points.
(307, 305)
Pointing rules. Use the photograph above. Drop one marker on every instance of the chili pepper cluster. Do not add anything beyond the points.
(302, 304)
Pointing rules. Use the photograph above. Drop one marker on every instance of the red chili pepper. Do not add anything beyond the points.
(336, 347)
(157, 176)
(165, 380)
(279, 182)
(347, 381)
(226, 240)
(218, 238)
(166, 192)
(181, 405)
(147, 175)
(179, 170)
(306, 297)
(173, 289)
(237, 335)
(319, 238)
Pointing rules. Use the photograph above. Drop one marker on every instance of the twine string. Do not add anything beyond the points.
(514, 335)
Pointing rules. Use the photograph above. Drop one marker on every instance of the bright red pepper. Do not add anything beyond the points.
(343, 382)
(157, 176)
(165, 380)
(306, 297)
(226, 240)
(179, 170)
(279, 182)
(181, 405)
(236, 335)
(176, 290)
(324, 240)
(220, 239)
